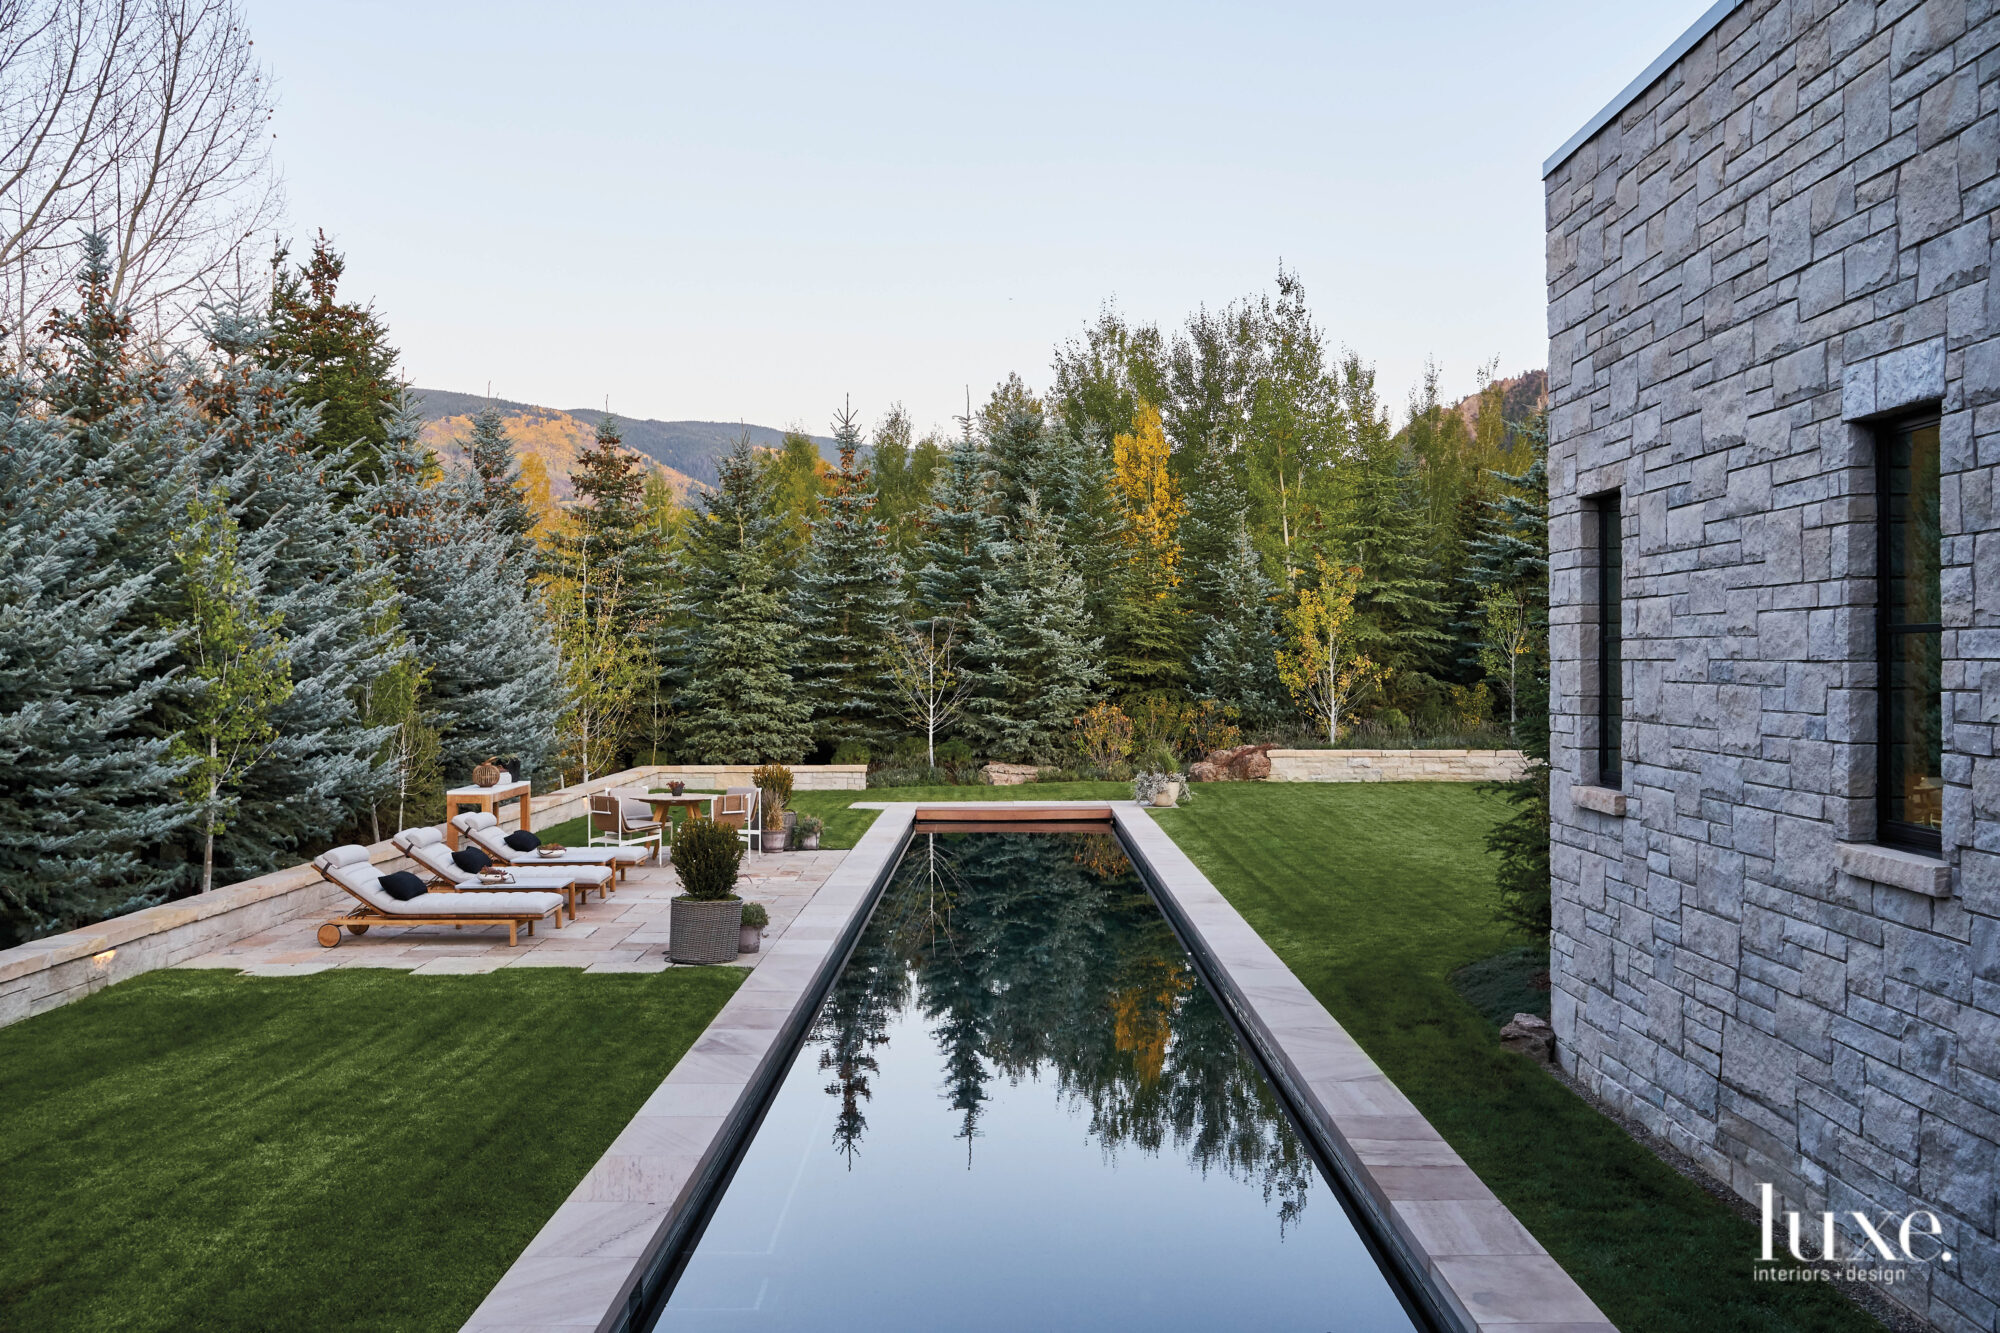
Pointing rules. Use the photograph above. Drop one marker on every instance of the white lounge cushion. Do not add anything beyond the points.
(436, 858)
(505, 904)
(474, 820)
(351, 854)
(494, 843)
(365, 882)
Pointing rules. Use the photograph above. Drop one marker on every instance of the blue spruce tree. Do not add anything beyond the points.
(848, 602)
(1035, 665)
(959, 532)
(322, 578)
(86, 785)
(473, 619)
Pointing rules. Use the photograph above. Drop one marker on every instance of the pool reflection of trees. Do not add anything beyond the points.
(1035, 953)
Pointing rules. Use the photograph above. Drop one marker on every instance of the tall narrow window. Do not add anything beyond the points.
(1910, 639)
(1610, 642)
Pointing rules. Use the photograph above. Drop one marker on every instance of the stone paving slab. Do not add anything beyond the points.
(588, 1259)
(627, 932)
(1484, 1270)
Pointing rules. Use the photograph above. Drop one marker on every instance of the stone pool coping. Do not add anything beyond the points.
(1483, 1268)
(584, 1269)
(1480, 1266)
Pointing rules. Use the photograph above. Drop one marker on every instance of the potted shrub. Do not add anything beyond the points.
(755, 918)
(774, 785)
(706, 921)
(808, 830)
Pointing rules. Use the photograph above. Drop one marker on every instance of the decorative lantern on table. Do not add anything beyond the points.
(487, 774)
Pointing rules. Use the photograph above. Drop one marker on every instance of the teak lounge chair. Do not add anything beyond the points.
(348, 868)
(489, 837)
(426, 847)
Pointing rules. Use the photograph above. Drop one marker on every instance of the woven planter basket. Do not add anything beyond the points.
(700, 932)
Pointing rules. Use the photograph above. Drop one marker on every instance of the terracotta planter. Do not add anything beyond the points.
(748, 939)
(704, 932)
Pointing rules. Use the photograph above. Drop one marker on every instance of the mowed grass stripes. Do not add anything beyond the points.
(356, 1149)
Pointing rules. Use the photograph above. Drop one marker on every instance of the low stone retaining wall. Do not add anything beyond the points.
(47, 973)
(714, 777)
(1397, 765)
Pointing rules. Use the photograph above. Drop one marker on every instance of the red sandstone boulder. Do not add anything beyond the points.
(1203, 771)
(1245, 763)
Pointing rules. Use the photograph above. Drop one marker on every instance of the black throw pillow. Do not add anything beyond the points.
(522, 841)
(402, 885)
(471, 860)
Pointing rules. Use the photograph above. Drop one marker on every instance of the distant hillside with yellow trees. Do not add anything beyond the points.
(684, 452)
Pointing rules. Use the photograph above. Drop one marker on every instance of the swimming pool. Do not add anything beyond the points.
(1020, 1107)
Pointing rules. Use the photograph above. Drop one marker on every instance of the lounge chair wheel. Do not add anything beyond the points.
(329, 935)
(357, 930)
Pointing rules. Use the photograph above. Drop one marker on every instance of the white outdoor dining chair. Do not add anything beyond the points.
(741, 809)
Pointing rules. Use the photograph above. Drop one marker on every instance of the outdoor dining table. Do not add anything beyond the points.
(663, 805)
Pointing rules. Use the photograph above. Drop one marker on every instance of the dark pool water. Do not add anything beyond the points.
(1020, 1109)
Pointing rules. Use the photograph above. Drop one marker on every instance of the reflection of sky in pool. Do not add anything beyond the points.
(1020, 1110)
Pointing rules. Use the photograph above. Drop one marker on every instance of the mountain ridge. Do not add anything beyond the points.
(687, 449)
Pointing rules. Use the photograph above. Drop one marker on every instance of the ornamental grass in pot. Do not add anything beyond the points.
(774, 784)
(706, 922)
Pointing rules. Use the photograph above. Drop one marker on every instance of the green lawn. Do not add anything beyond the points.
(845, 826)
(352, 1149)
(1374, 894)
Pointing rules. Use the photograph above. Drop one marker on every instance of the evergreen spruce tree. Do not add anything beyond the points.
(1215, 519)
(1516, 557)
(1400, 614)
(474, 622)
(324, 581)
(1035, 665)
(733, 649)
(1235, 662)
(87, 788)
(848, 602)
(959, 535)
(502, 496)
(338, 356)
(609, 541)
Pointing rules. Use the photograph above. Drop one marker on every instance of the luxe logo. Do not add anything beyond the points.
(1914, 1229)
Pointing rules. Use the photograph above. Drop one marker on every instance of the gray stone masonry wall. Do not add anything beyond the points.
(1789, 232)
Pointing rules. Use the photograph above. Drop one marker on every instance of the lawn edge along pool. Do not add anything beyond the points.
(609, 1256)
(1456, 1244)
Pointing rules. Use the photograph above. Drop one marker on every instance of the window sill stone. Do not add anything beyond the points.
(1895, 867)
(1604, 800)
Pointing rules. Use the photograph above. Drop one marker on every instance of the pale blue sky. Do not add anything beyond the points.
(746, 211)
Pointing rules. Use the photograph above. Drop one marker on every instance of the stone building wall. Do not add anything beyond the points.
(1787, 232)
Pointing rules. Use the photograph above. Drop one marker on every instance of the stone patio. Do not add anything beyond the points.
(626, 932)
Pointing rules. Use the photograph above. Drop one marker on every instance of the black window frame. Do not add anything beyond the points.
(1889, 633)
(1609, 520)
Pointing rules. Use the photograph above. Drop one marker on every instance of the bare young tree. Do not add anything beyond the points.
(147, 121)
(930, 688)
